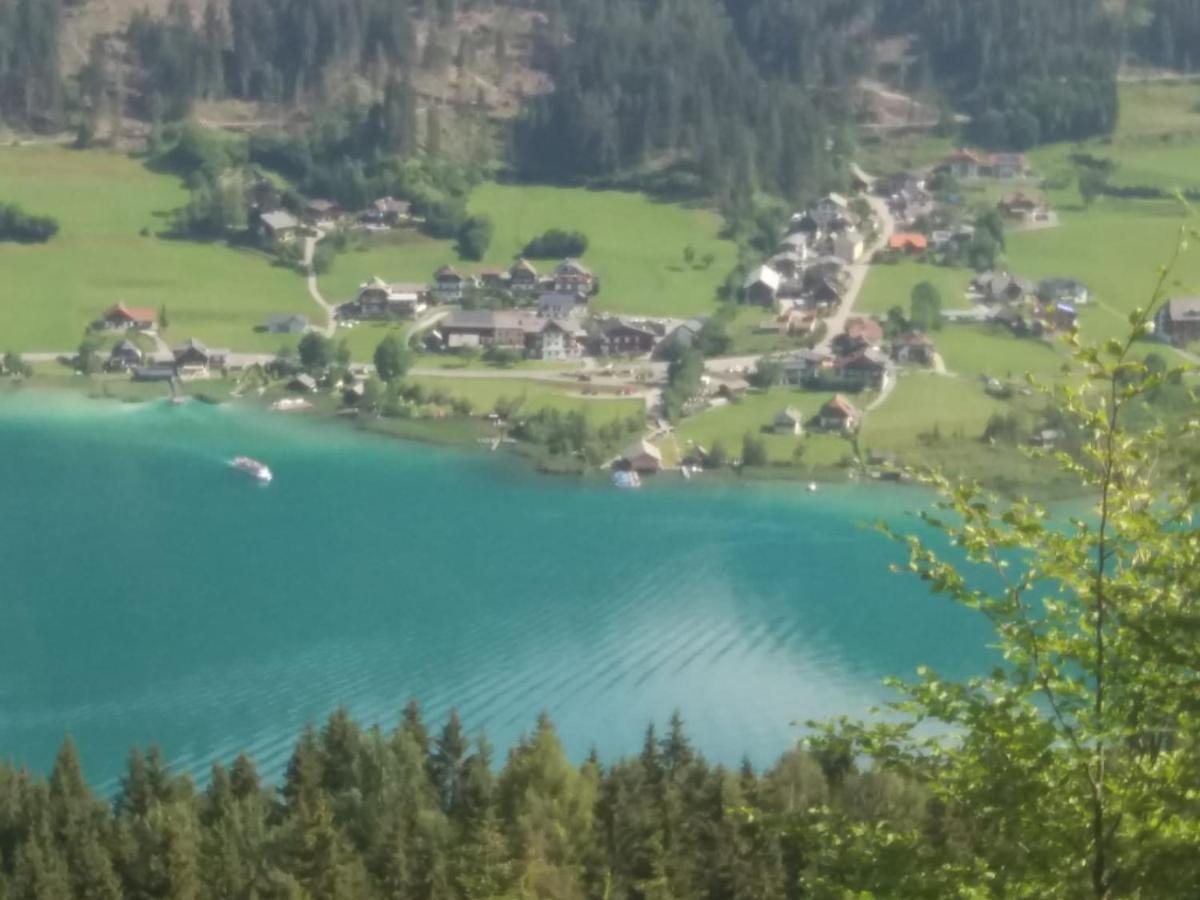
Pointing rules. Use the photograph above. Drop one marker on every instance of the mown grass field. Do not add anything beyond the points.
(923, 403)
(892, 285)
(103, 202)
(973, 350)
(731, 422)
(635, 247)
(484, 392)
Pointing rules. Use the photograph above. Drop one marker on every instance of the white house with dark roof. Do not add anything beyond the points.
(761, 286)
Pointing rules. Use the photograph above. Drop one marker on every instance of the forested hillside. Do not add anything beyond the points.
(728, 95)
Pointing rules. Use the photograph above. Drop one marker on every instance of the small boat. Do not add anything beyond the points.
(251, 467)
(291, 404)
(626, 480)
(812, 487)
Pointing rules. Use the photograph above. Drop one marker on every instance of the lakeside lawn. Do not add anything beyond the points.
(103, 201)
(972, 350)
(635, 247)
(922, 404)
(754, 410)
(484, 392)
(892, 285)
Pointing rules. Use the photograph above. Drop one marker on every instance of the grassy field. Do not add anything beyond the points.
(973, 350)
(923, 403)
(636, 247)
(892, 285)
(483, 394)
(103, 202)
(730, 423)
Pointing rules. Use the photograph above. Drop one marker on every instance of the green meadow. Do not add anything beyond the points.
(636, 247)
(753, 412)
(103, 203)
(890, 285)
(535, 396)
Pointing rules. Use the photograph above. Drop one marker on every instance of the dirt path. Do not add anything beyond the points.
(310, 250)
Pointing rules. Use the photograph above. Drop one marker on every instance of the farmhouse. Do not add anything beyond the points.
(279, 227)
(1000, 287)
(376, 299)
(523, 276)
(322, 212)
(914, 348)
(865, 369)
(388, 211)
(858, 334)
(1179, 320)
(1022, 207)
(788, 421)
(830, 209)
(449, 284)
(620, 337)
(1008, 165)
(503, 329)
(682, 337)
(286, 324)
(839, 414)
(193, 357)
(571, 275)
(964, 163)
(805, 367)
(126, 318)
(125, 355)
(558, 339)
(762, 286)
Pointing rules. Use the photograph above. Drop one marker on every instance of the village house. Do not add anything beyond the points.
(322, 212)
(303, 384)
(279, 227)
(493, 278)
(641, 456)
(681, 337)
(859, 333)
(805, 367)
(126, 318)
(559, 306)
(125, 355)
(388, 211)
(1022, 208)
(192, 357)
(377, 299)
(1000, 287)
(788, 421)
(803, 225)
(523, 276)
(1008, 165)
(502, 329)
(1179, 320)
(788, 263)
(761, 286)
(572, 276)
(866, 369)
(621, 337)
(830, 209)
(909, 242)
(839, 414)
(964, 163)
(823, 292)
(914, 348)
(285, 324)
(449, 285)
(1063, 290)
(558, 339)
(848, 244)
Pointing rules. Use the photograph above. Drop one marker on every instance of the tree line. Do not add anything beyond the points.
(25, 228)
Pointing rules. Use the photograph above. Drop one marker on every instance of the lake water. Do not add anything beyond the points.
(149, 593)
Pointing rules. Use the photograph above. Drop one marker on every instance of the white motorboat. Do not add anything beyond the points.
(626, 480)
(252, 467)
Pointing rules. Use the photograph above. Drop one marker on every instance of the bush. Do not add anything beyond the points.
(754, 451)
(18, 225)
(474, 237)
(556, 243)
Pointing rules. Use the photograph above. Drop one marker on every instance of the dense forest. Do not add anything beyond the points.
(1171, 36)
(715, 96)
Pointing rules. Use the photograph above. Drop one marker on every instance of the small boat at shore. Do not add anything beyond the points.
(626, 480)
(251, 467)
(291, 404)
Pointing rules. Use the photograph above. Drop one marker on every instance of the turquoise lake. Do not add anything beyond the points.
(150, 594)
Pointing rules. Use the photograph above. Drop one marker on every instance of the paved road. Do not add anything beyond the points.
(859, 271)
(310, 250)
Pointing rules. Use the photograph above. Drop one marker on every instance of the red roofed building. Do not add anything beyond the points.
(908, 242)
(126, 318)
(839, 414)
(964, 163)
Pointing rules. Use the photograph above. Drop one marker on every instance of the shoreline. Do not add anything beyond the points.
(467, 434)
